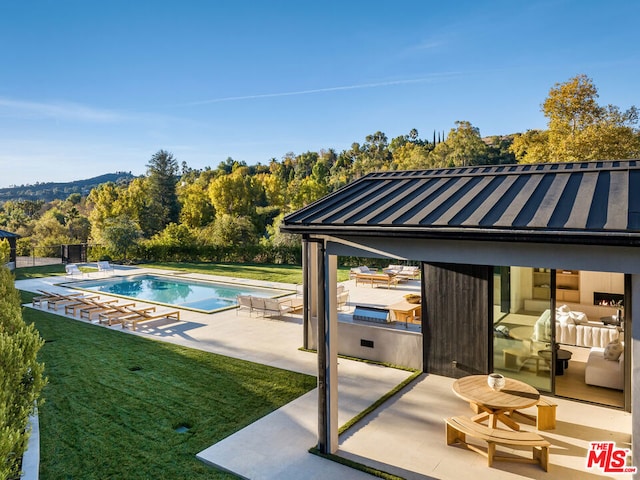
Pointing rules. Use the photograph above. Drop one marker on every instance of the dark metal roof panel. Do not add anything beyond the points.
(5, 234)
(585, 197)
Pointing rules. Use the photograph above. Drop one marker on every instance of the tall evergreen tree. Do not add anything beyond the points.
(163, 207)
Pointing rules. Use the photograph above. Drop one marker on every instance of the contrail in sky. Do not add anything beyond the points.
(324, 90)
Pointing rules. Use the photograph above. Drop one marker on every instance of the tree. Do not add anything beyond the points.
(119, 234)
(49, 232)
(105, 206)
(463, 147)
(228, 231)
(579, 128)
(411, 156)
(21, 376)
(237, 194)
(196, 210)
(373, 155)
(277, 238)
(531, 146)
(174, 235)
(162, 202)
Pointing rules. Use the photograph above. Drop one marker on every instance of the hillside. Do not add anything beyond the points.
(52, 191)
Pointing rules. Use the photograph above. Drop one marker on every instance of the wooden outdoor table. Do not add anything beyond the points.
(496, 405)
(404, 311)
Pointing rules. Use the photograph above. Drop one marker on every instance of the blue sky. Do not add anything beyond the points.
(91, 87)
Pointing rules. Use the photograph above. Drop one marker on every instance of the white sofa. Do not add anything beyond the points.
(602, 372)
(573, 328)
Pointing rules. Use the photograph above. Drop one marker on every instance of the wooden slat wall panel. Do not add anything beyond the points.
(456, 321)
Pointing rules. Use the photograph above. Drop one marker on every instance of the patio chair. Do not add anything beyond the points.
(244, 301)
(72, 270)
(257, 304)
(105, 267)
(274, 308)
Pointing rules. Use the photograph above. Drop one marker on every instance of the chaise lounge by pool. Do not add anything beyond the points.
(199, 295)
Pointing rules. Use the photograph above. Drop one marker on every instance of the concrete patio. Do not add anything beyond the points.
(404, 437)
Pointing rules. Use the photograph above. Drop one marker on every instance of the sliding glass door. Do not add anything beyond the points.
(522, 329)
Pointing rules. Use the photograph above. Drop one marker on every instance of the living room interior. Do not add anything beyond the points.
(589, 331)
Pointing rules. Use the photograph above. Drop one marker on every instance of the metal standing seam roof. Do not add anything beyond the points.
(5, 234)
(554, 202)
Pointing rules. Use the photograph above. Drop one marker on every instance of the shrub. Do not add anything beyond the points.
(21, 376)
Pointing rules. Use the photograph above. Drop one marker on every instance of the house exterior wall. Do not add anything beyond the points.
(396, 347)
(456, 326)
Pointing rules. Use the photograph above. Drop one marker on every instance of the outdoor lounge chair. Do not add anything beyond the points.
(118, 312)
(358, 270)
(38, 300)
(377, 279)
(83, 302)
(140, 316)
(404, 272)
(72, 269)
(105, 266)
(102, 307)
(53, 303)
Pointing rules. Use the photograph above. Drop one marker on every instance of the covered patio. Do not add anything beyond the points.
(460, 224)
(404, 436)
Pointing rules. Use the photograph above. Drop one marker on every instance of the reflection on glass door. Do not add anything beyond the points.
(522, 338)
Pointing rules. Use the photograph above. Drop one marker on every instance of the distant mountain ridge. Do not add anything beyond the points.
(52, 191)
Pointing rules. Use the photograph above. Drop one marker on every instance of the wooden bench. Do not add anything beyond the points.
(459, 427)
(546, 418)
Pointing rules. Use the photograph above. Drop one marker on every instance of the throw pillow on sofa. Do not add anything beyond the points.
(578, 317)
(613, 351)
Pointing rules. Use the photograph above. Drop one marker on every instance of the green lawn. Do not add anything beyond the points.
(269, 273)
(114, 400)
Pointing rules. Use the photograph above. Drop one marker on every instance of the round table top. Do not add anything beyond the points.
(515, 394)
(560, 354)
(523, 332)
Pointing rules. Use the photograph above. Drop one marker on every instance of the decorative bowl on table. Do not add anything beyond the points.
(496, 381)
(412, 298)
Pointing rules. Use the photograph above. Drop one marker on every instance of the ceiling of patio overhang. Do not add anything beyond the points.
(573, 257)
(580, 203)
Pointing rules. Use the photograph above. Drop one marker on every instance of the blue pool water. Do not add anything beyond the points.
(185, 293)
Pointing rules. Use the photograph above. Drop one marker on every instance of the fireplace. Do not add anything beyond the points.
(608, 299)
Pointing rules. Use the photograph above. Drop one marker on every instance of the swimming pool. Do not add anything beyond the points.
(187, 293)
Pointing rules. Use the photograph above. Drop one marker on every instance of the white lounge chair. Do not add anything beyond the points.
(72, 269)
(105, 266)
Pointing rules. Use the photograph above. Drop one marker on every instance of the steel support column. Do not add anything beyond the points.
(327, 352)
